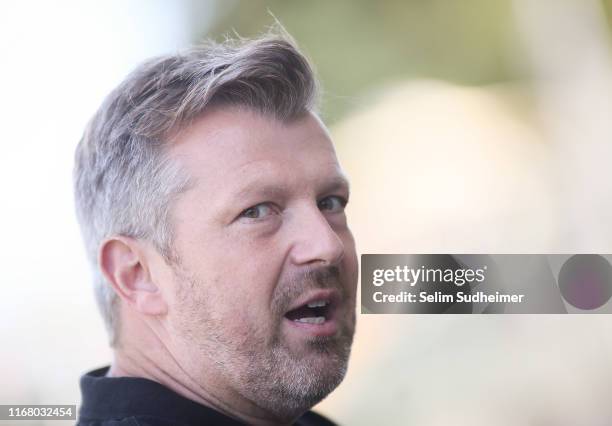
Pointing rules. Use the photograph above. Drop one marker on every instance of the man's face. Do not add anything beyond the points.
(265, 301)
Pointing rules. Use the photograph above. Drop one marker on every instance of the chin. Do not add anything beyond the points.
(308, 386)
(295, 382)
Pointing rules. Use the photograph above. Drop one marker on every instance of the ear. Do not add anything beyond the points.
(124, 263)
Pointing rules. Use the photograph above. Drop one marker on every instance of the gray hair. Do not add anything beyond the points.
(124, 181)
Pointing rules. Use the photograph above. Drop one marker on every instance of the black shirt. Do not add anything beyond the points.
(120, 401)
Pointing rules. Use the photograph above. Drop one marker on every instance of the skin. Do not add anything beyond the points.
(262, 227)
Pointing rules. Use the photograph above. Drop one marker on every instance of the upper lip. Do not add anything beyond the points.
(331, 296)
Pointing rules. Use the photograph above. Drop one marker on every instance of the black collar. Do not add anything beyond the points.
(114, 398)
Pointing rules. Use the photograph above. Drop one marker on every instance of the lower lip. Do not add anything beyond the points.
(328, 328)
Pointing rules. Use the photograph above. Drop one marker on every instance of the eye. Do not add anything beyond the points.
(258, 211)
(333, 204)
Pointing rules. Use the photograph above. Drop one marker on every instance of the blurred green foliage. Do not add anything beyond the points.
(357, 45)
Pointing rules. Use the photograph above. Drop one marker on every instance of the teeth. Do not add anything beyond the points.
(311, 320)
(317, 304)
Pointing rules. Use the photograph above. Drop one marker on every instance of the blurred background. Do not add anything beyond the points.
(466, 126)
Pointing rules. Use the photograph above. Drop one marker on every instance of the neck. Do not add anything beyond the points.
(147, 356)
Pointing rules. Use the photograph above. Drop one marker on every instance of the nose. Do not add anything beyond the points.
(315, 242)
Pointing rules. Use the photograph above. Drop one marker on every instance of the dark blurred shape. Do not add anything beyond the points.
(585, 281)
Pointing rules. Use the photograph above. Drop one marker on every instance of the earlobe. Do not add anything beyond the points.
(151, 303)
(124, 264)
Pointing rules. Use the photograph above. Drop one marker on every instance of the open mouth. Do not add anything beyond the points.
(315, 312)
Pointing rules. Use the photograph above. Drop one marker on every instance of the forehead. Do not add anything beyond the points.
(230, 147)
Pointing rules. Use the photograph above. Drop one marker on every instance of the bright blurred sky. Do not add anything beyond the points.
(59, 61)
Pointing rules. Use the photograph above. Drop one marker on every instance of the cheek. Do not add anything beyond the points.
(240, 277)
(210, 311)
(256, 259)
(238, 266)
(350, 261)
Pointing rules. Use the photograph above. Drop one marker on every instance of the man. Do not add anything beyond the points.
(212, 208)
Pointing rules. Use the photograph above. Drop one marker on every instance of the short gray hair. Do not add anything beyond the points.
(125, 183)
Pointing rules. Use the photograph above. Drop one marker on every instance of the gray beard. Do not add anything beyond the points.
(262, 370)
(289, 386)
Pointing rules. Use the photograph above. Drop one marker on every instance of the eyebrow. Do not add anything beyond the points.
(263, 188)
(338, 182)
